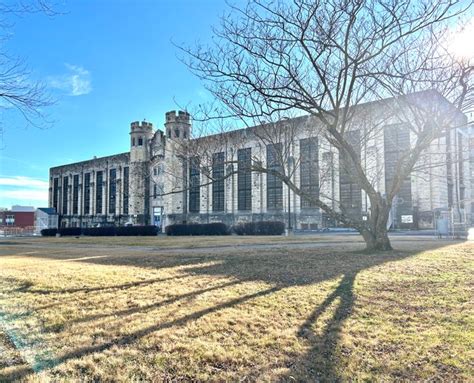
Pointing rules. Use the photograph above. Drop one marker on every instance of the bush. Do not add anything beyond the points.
(104, 231)
(70, 231)
(49, 232)
(216, 228)
(260, 228)
(136, 230)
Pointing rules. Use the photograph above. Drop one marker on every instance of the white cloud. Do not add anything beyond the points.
(76, 82)
(24, 181)
(25, 196)
(23, 191)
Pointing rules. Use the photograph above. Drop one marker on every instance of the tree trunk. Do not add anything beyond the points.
(376, 240)
(375, 233)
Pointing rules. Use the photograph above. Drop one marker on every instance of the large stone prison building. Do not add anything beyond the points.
(166, 179)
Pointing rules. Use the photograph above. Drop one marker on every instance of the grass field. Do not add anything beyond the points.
(235, 309)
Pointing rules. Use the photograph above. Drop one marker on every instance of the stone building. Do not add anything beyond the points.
(171, 177)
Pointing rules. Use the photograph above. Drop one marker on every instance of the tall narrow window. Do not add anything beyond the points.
(56, 194)
(75, 194)
(274, 184)
(65, 194)
(218, 182)
(329, 175)
(244, 179)
(460, 159)
(98, 192)
(194, 185)
(396, 144)
(87, 193)
(449, 168)
(125, 189)
(309, 171)
(112, 190)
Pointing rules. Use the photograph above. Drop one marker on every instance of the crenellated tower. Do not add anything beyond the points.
(178, 126)
(141, 135)
(178, 132)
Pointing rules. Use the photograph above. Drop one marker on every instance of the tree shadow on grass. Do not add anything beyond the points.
(98, 288)
(143, 309)
(280, 269)
(320, 361)
(134, 336)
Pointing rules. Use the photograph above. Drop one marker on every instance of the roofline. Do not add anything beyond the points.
(362, 105)
(91, 160)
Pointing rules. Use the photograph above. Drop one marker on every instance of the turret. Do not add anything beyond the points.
(140, 136)
(178, 126)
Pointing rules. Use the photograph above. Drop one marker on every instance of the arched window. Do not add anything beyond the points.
(176, 133)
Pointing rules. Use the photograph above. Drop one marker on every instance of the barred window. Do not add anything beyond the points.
(56, 194)
(218, 182)
(309, 171)
(244, 179)
(112, 190)
(460, 159)
(87, 193)
(98, 192)
(125, 189)
(274, 184)
(75, 194)
(194, 185)
(65, 193)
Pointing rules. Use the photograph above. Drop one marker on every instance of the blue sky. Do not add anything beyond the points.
(107, 63)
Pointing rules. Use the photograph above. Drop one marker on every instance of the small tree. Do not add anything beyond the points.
(323, 59)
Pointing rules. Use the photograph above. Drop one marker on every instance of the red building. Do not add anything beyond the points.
(17, 218)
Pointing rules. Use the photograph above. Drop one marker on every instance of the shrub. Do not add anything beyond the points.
(104, 231)
(260, 228)
(70, 231)
(49, 232)
(216, 228)
(178, 229)
(136, 230)
(107, 231)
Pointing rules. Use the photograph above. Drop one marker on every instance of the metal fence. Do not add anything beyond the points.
(28, 231)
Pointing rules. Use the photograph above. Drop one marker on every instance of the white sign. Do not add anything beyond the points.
(407, 219)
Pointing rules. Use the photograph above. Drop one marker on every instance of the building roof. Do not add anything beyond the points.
(19, 208)
(124, 156)
(48, 210)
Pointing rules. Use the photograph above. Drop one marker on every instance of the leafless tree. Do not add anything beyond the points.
(18, 91)
(323, 59)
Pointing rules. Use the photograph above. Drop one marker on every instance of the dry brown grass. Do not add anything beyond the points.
(191, 242)
(110, 310)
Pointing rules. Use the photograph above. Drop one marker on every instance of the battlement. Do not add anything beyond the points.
(181, 116)
(144, 125)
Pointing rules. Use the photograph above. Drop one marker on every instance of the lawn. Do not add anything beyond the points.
(232, 309)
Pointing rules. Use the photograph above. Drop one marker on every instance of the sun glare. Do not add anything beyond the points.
(462, 44)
